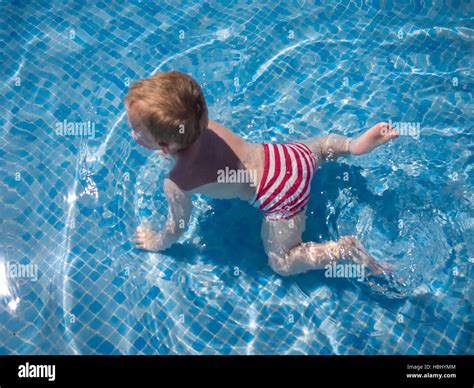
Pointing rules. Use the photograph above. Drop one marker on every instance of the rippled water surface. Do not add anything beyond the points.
(69, 204)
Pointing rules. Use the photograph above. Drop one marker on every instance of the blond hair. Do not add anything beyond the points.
(171, 106)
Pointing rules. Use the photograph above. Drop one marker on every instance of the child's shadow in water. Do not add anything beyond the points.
(230, 232)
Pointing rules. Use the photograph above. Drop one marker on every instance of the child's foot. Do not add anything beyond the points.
(146, 239)
(377, 135)
(386, 286)
(352, 248)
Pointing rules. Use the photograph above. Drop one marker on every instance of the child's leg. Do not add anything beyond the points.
(332, 146)
(288, 255)
(329, 147)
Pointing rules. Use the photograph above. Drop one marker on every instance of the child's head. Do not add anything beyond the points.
(167, 111)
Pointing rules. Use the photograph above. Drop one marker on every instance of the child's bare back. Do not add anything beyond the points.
(213, 164)
(212, 160)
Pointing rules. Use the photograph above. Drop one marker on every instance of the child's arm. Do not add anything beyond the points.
(179, 210)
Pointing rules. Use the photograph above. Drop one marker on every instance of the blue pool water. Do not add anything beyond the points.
(69, 204)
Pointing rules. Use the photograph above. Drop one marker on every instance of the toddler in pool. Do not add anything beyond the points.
(168, 113)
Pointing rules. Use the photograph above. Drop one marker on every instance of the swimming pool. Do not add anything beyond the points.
(72, 283)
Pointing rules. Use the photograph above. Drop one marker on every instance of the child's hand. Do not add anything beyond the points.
(147, 239)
